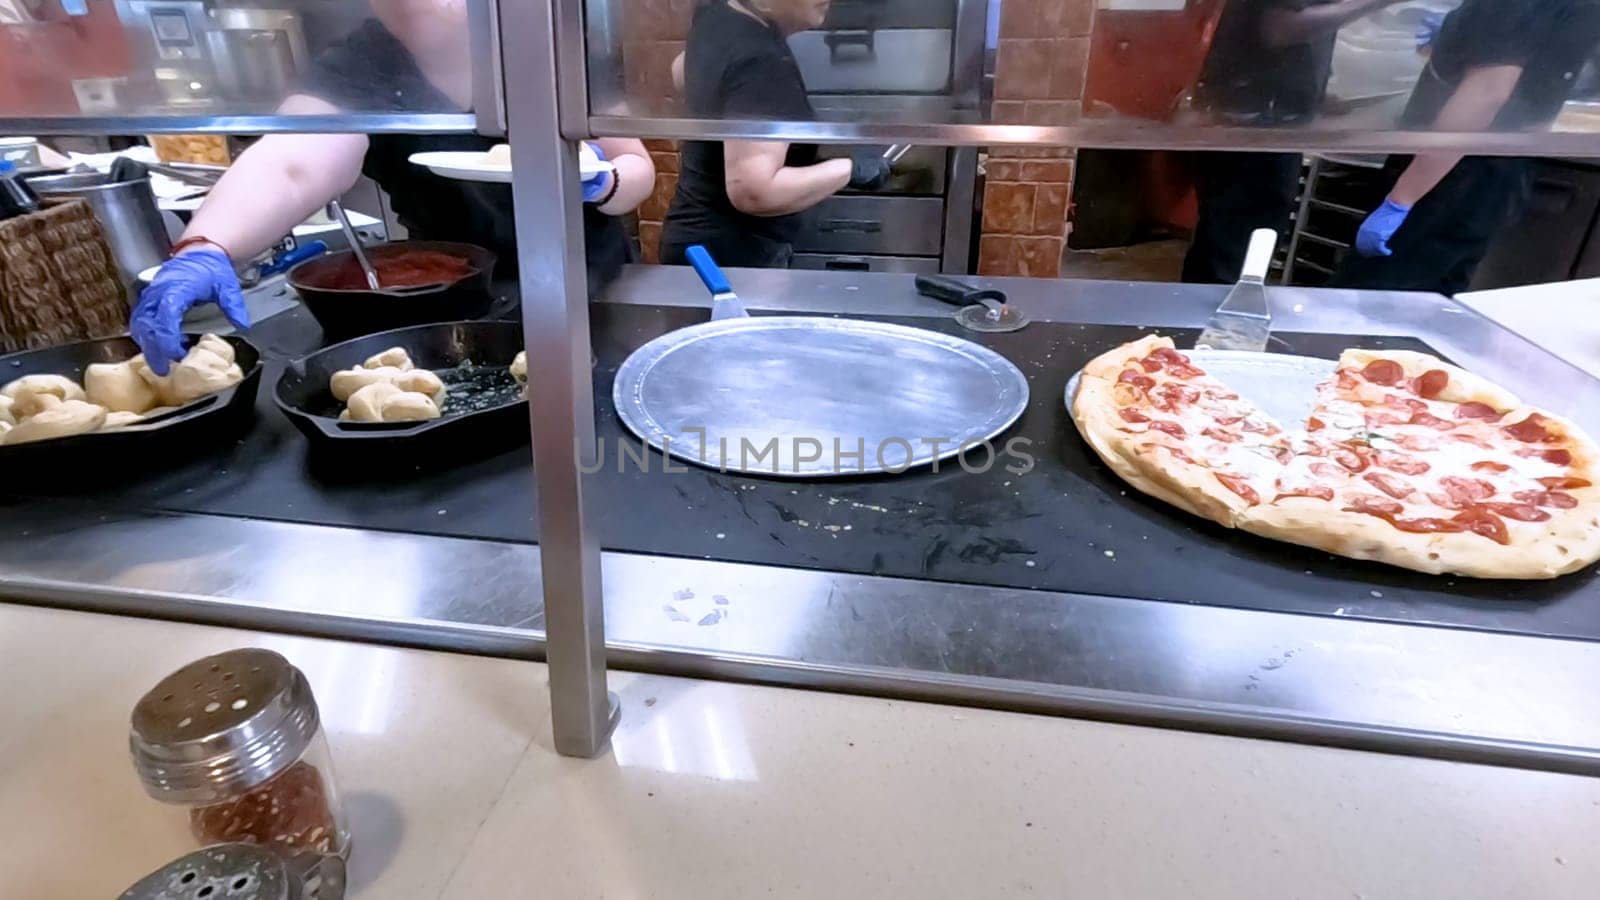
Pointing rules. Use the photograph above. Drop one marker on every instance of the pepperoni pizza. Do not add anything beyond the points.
(1405, 459)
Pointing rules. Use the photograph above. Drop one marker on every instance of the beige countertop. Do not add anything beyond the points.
(717, 790)
(1563, 318)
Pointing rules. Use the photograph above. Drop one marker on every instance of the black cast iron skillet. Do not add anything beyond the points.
(484, 413)
(210, 420)
(347, 313)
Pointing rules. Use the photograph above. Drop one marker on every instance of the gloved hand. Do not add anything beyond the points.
(1373, 237)
(1428, 31)
(184, 281)
(597, 185)
(869, 171)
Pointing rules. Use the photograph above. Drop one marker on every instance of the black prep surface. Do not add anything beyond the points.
(1067, 525)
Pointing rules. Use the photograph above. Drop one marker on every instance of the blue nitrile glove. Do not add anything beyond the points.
(596, 185)
(1373, 238)
(1428, 31)
(201, 276)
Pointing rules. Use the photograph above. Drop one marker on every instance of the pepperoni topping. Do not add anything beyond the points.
(1490, 465)
(1217, 434)
(1550, 499)
(1175, 451)
(1460, 493)
(1463, 438)
(1553, 457)
(1521, 512)
(1314, 492)
(1374, 506)
(1174, 394)
(1530, 430)
(1132, 416)
(1174, 362)
(1255, 427)
(1565, 483)
(1172, 428)
(1377, 418)
(1389, 484)
(1131, 376)
(1399, 462)
(1481, 522)
(1327, 470)
(1229, 420)
(1386, 372)
(1239, 486)
(1431, 384)
(1350, 459)
(1429, 420)
(1476, 410)
(1416, 442)
(1315, 424)
(1395, 401)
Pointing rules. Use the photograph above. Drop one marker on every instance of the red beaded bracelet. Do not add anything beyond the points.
(196, 241)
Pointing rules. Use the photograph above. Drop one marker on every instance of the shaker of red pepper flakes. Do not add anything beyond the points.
(237, 740)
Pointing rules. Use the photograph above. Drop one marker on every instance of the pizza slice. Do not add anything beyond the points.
(1414, 462)
(1176, 433)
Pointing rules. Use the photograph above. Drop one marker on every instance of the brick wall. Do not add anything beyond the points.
(1039, 75)
(653, 34)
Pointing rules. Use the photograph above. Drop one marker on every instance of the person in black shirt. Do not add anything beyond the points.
(743, 199)
(1496, 64)
(1268, 67)
(413, 58)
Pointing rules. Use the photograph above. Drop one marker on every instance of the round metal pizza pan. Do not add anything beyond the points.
(1280, 385)
(810, 397)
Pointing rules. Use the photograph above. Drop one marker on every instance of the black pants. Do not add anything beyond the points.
(1445, 237)
(1238, 193)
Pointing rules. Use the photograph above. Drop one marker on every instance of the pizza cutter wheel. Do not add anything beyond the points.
(982, 310)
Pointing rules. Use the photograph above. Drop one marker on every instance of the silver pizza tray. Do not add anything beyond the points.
(1280, 385)
(809, 397)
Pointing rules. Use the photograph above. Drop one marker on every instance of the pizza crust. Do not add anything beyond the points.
(1567, 542)
(1190, 487)
(1464, 386)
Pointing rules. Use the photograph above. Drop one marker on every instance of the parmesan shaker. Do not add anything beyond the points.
(236, 741)
(243, 872)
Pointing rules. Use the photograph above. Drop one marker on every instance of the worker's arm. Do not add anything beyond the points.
(1282, 27)
(1474, 106)
(636, 174)
(759, 184)
(276, 183)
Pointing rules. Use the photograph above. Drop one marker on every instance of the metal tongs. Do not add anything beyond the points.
(336, 210)
(896, 152)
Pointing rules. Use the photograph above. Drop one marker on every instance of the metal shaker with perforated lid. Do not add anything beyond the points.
(236, 740)
(243, 872)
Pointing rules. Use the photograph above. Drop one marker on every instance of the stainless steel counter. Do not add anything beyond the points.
(1392, 687)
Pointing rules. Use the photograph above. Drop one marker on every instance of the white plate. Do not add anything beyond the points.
(475, 166)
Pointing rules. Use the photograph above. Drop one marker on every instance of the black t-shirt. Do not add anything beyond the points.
(1247, 82)
(1549, 39)
(737, 67)
(371, 71)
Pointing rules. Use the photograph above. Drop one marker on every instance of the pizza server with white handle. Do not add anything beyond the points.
(1244, 321)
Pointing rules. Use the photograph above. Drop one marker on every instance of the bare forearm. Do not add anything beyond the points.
(1421, 176)
(636, 175)
(793, 189)
(274, 186)
(1282, 28)
(1474, 106)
